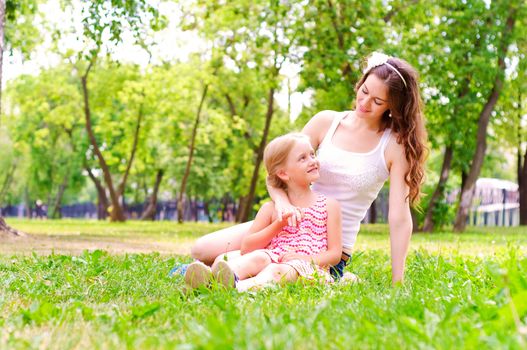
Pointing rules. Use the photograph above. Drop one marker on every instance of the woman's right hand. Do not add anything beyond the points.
(287, 211)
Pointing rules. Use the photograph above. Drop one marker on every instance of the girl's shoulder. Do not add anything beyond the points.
(267, 210)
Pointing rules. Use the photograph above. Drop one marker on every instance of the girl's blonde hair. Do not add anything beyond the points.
(275, 156)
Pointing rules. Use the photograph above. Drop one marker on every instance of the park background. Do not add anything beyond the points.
(124, 105)
(127, 108)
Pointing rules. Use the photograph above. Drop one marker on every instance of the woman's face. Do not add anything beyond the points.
(372, 98)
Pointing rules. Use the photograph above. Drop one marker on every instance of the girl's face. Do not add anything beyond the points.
(302, 165)
(372, 98)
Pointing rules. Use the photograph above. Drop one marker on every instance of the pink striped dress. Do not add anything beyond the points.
(309, 238)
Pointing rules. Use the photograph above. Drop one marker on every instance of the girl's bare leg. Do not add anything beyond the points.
(246, 265)
(208, 247)
(273, 273)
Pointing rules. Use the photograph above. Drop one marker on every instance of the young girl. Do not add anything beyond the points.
(273, 251)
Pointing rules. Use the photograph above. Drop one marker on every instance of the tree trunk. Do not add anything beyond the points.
(56, 210)
(428, 225)
(122, 185)
(7, 182)
(207, 211)
(246, 210)
(339, 32)
(29, 213)
(150, 211)
(192, 147)
(2, 46)
(194, 209)
(438, 194)
(102, 198)
(467, 192)
(117, 213)
(4, 228)
(242, 204)
(521, 168)
(373, 212)
(415, 222)
(522, 182)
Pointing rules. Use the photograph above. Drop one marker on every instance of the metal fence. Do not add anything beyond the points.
(194, 210)
(495, 203)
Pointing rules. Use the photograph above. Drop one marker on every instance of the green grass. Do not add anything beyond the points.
(461, 291)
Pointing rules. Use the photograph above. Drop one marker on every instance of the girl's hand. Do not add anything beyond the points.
(294, 256)
(285, 219)
(289, 212)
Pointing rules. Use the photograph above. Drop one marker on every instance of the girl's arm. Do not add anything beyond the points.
(333, 255)
(282, 205)
(399, 216)
(263, 229)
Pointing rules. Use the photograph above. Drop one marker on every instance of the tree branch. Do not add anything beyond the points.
(394, 11)
(122, 185)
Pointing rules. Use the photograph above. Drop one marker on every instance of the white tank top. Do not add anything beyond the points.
(354, 179)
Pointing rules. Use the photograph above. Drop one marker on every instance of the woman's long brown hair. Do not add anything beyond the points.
(406, 120)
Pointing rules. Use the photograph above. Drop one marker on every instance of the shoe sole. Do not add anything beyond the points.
(223, 274)
(198, 275)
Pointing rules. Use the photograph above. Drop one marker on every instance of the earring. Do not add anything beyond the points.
(390, 114)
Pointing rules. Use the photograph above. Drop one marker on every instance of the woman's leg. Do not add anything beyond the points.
(208, 247)
(273, 273)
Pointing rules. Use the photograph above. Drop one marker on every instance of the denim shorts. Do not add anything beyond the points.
(337, 271)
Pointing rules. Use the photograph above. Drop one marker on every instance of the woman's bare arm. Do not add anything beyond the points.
(317, 127)
(399, 216)
(282, 205)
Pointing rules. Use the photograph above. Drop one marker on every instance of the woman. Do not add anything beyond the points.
(384, 137)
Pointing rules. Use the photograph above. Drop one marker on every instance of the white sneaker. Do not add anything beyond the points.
(349, 277)
(198, 275)
(224, 274)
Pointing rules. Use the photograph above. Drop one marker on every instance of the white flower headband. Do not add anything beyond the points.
(378, 59)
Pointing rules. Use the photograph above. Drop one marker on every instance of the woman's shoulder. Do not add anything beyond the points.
(318, 126)
(327, 116)
(395, 152)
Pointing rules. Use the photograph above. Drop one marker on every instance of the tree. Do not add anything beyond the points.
(191, 148)
(117, 122)
(511, 110)
(9, 11)
(257, 36)
(335, 36)
(450, 103)
(101, 19)
(512, 11)
(44, 122)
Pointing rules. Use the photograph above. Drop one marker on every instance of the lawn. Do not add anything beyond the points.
(461, 291)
